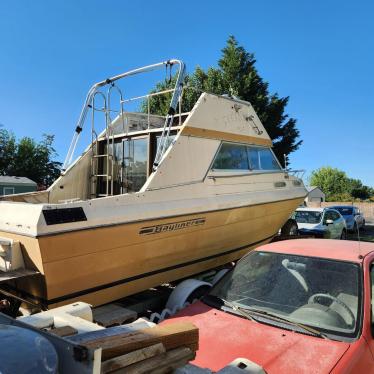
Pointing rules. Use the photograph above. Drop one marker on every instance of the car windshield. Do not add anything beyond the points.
(345, 211)
(318, 293)
(308, 216)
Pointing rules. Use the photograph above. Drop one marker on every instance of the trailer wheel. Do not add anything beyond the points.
(199, 293)
(290, 227)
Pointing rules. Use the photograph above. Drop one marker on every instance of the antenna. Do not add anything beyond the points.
(359, 241)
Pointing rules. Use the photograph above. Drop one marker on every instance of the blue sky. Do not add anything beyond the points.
(320, 53)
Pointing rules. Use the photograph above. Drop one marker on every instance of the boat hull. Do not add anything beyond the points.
(103, 264)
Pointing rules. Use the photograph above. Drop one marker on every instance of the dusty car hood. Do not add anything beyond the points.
(224, 337)
(309, 226)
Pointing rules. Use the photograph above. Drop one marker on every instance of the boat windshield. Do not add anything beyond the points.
(308, 216)
(320, 293)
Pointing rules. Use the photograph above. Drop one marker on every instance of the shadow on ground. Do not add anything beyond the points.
(367, 234)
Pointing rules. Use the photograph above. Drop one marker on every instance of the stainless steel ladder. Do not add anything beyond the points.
(102, 164)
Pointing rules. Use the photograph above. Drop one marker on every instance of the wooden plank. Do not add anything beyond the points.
(110, 331)
(113, 314)
(64, 331)
(115, 317)
(160, 364)
(131, 358)
(171, 336)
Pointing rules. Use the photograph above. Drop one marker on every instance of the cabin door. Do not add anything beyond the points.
(134, 164)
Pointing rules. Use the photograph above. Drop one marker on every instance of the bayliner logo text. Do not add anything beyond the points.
(171, 226)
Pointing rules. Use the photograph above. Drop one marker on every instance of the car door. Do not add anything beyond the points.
(339, 224)
(329, 228)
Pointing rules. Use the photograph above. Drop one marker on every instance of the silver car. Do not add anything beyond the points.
(321, 222)
(352, 215)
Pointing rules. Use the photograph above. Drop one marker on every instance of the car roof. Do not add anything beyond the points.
(342, 206)
(343, 250)
(311, 209)
(306, 209)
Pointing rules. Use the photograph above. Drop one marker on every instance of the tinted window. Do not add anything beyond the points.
(345, 211)
(335, 216)
(241, 157)
(328, 215)
(254, 159)
(306, 216)
(268, 161)
(134, 164)
(231, 156)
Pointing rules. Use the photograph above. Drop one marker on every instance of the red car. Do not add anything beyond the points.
(297, 306)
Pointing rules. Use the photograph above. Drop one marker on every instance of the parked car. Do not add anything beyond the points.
(352, 215)
(321, 222)
(294, 306)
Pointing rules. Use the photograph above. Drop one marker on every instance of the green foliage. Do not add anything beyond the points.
(8, 148)
(360, 191)
(338, 187)
(237, 75)
(27, 158)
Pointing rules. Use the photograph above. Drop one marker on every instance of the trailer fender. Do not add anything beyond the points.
(219, 275)
(183, 291)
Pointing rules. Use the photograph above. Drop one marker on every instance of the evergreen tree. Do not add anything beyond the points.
(237, 75)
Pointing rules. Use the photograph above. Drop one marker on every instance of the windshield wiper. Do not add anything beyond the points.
(232, 306)
(282, 319)
(246, 312)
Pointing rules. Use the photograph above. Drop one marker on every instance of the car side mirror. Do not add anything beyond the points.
(329, 222)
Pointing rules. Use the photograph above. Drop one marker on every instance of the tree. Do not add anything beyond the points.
(27, 158)
(337, 186)
(237, 75)
(8, 148)
(358, 190)
(333, 182)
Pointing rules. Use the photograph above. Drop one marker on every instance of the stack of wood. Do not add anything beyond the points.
(157, 350)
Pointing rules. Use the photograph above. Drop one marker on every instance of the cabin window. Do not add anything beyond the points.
(135, 158)
(129, 168)
(254, 158)
(231, 157)
(267, 159)
(130, 165)
(243, 157)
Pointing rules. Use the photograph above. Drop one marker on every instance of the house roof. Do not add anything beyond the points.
(5, 179)
(312, 188)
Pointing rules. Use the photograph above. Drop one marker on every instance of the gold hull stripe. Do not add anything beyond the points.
(221, 135)
(143, 275)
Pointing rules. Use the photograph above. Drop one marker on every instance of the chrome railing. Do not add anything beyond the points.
(296, 173)
(175, 100)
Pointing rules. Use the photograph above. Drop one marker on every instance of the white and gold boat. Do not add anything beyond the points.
(152, 199)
